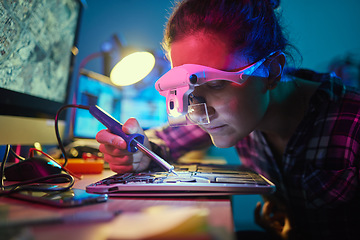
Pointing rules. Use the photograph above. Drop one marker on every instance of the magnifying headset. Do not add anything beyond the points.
(178, 84)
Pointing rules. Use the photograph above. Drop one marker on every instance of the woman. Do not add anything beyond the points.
(298, 128)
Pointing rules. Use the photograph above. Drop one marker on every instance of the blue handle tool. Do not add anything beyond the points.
(116, 127)
(134, 141)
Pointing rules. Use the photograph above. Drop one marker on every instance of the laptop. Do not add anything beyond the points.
(191, 180)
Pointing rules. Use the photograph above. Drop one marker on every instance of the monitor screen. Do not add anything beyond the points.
(141, 102)
(36, 44)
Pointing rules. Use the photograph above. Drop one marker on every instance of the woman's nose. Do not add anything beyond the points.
(211, 112)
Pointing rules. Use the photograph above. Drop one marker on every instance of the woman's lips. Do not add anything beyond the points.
(215, 129)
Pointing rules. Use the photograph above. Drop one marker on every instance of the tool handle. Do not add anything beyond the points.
(115, 127)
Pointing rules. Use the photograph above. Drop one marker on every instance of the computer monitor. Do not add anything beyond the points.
(36, 43)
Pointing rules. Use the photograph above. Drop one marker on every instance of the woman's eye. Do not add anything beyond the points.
(218, 84)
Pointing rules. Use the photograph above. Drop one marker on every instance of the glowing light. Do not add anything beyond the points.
(175, 114)
(132, 68)
(53, 163)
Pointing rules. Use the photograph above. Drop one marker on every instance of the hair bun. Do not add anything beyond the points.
(274, 3)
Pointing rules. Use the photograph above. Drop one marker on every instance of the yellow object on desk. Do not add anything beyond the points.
(82, 166)
(161, 222)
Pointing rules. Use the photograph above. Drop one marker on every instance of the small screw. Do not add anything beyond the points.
(193, 79)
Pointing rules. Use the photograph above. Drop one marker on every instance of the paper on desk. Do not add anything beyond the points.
(160, 222)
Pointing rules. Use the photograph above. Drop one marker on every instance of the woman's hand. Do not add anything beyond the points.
(273, 220)
(114, 149)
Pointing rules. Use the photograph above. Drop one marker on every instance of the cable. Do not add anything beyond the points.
(61, 146)
(16, 155)
(26, 185)
(31, 154)
(3, 166)
(29, 185)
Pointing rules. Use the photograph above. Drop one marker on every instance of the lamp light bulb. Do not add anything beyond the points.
(132, 68)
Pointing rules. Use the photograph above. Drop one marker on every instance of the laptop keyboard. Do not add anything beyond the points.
(188, 174)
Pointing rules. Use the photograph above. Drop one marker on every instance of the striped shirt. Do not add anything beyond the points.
(318, 176)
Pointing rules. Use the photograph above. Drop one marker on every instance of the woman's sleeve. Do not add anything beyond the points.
(173, 142)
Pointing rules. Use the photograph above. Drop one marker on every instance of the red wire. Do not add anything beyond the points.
(31, 154)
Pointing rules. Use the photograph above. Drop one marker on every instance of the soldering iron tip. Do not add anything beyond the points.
(174, 172)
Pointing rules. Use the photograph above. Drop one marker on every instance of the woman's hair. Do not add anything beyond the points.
(250, 26)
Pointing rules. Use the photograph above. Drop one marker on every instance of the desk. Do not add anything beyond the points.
(219, 214)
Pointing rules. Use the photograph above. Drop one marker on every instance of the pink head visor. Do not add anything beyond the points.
(179, 82)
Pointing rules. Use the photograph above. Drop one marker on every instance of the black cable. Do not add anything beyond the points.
(26, 185)
(61, 146)
(7, 150)
(29, 185)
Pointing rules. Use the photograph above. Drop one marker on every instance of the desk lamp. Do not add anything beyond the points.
(133, 66)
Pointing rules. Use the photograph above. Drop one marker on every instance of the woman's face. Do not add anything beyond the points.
(234, 110)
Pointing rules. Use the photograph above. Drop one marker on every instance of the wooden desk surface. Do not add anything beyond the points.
(219, 214)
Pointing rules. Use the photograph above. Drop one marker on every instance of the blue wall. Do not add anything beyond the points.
(321, 29)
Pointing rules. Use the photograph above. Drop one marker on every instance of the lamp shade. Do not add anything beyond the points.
(132, 68)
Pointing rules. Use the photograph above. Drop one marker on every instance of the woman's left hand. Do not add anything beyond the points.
(272, 220)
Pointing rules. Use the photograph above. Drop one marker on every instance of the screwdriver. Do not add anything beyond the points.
(134, 141)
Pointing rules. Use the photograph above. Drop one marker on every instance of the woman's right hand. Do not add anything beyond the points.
(114, 149)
